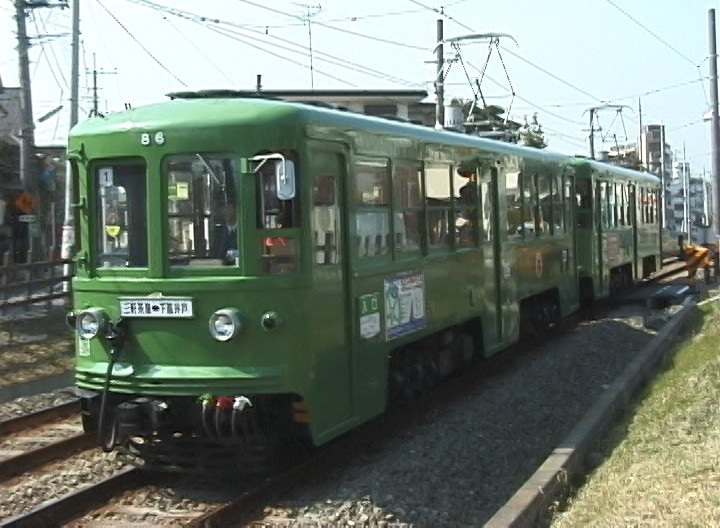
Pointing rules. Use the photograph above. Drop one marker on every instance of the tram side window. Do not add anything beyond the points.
(439, 205)
(567, 201)
(202, 223)
(621, 204)
(371, 198)
(612, 205)
(487, 204)
(407, 206)
(653, 207)
(325, 213)
(544, 187)
(465, 192)
(529, 197)
(514, 204)
(122, 219)
(583, 198)
(628, 196)
(557, 204)
(602, 198)
(278, 210)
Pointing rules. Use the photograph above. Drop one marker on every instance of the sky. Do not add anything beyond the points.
(568, 56)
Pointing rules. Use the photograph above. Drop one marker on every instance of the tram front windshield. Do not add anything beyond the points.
(202, 215)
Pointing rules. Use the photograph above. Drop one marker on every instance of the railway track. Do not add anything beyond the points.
(32, 440)
(130, 496)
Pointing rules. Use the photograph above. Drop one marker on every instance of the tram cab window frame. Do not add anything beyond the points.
(120, 238)
(202, 214)
(278, 216)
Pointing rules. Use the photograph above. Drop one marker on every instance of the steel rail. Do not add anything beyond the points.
(37, 457)
(41, 417)
(57, 511)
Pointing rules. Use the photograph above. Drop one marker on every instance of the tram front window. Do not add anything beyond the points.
(202, 215)
(121, 240)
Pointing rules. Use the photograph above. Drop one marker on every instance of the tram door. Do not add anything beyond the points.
(327, 168)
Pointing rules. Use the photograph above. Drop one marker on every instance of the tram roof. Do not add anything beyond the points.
(220, 108)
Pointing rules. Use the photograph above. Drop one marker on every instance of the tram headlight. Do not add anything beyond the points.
(91, 322)
(225, 324)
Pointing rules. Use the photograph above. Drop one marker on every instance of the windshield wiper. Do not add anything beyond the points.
(208, 168)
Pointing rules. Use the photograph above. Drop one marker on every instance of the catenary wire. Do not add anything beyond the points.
(141, 45)
(651, 32)
(326, 57)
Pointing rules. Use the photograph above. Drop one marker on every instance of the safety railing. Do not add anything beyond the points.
(31, 282)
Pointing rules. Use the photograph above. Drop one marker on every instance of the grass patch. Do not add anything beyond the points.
(663, 465)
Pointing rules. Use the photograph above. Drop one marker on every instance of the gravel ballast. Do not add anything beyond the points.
(464, 461)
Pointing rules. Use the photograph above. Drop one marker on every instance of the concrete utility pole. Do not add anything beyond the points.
(440, 79)
(68, 230)
(592, 134)
(662, 177)
(639, 144)
(95, 86)
(715, 124)
(27, 126)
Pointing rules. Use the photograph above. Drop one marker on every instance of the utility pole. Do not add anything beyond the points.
(686, 204)
(663, 214)
(95, 73)
(440, 79)
(592, 133)
(68, 231)
(27, 126)
(715, 124)
(308, 17)
(639, 145)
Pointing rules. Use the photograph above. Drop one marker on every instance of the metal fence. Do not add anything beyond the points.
(24, 284)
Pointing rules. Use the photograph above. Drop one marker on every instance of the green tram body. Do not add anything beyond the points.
(617, 224)
(385, 260)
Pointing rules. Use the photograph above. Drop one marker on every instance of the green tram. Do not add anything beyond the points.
(618, 227)
(252, 271)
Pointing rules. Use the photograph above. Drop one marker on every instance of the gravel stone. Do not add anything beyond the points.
(28, 404)
(463, 461)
